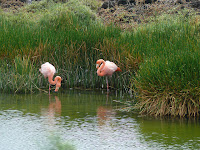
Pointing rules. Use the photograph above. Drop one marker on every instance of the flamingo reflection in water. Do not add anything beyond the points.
(52, 111)
(55, 107)
(105, 114)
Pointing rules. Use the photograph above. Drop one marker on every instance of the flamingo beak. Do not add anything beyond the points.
(58, 85)
(57, 88)
(97, 66)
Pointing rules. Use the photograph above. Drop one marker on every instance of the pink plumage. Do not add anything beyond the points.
(109, 68)
(106, 68)
(47, 69)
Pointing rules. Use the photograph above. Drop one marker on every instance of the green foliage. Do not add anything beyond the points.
(93, 4)
(22, 66)
(80, 9)
(39, 6)
(84, 9)
(174, 72)
(169, 76)
(161, 57)
(58, 35)
(21, 77)
(58, 144)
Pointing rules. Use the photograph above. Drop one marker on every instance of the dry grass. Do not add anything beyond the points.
(170, 104)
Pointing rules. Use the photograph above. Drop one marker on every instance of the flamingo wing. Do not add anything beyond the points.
(47, 69)
(110, 68)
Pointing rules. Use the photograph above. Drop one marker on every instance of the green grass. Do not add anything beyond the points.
(22, 77)
(168, 80)
(159, 60)
(68, 39)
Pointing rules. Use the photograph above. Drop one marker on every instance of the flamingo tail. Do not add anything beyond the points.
(118, 69)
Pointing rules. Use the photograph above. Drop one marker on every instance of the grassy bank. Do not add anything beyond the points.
(159, 59)
(71, 39)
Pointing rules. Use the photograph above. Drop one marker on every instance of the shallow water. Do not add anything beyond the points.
(87, 120)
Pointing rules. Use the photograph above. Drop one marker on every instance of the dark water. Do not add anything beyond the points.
(87, 120)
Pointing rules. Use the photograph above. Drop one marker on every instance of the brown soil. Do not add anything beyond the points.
(130, 16)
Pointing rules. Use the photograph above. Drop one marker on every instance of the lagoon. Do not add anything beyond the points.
(87, 120)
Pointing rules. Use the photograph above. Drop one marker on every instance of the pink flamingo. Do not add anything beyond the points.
(106, 68)
(48, 70)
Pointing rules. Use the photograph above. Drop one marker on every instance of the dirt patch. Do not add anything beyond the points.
(130, 15)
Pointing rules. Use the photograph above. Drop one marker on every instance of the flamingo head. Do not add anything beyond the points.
(99, 63)
(58, 83)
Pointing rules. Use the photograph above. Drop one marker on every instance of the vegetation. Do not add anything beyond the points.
(159, 59)
(57, 143)
(70, 40)
(168, 79)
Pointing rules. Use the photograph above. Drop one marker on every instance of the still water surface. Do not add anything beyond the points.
(87, 120)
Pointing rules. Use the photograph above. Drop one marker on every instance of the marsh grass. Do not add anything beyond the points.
(71, 38)
(21, 77)
(168, 80)
(161, 57)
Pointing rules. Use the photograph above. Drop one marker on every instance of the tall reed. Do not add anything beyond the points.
(21, 77)
(72, 41)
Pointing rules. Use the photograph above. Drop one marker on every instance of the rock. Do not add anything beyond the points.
(195, 4)
(180, 1)
(149, 1)
(125, 2)
(132, 2)
(108, 4)
(122, 2)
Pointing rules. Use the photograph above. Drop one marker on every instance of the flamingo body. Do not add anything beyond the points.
(106, 68)
(48, 70)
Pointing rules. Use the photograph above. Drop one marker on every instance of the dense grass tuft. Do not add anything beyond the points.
(168, 80)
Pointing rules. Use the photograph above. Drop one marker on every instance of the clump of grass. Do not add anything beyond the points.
(185, 103)
(168, 80)
(21, 77)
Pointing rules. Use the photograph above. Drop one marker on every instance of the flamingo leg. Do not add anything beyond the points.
(49, 88)
(107, 84)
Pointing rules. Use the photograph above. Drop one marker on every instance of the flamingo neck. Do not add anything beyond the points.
(99, 71)
(51, 81)
(57, 80)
